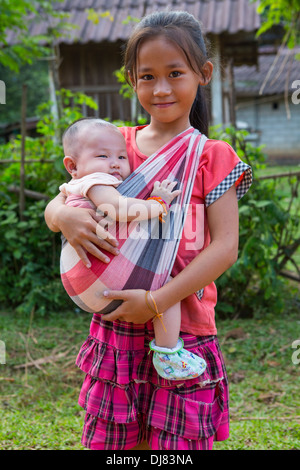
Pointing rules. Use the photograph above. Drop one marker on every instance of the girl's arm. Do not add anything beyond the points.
(51, 212)
(80, 227)
(205, 268)
(125, 209)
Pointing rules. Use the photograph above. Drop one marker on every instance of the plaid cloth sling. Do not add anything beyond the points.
(147, 248)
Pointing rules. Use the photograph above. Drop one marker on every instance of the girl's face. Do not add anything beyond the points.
(165, 84)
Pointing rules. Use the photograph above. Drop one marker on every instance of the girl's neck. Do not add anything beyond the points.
(152, 137)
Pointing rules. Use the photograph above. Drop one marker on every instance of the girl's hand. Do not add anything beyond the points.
(133, 309)
(83, 231)
(165, 191)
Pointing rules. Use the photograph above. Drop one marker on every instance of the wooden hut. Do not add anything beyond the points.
(91, 53)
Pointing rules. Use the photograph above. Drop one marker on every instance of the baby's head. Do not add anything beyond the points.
(92, 145)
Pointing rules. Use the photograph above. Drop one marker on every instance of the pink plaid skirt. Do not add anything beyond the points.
(126, 401)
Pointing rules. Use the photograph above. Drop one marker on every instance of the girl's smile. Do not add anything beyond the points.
(164, 105)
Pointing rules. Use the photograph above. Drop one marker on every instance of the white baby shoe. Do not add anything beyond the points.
(176, 363)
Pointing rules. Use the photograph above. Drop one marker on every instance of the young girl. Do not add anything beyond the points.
(96, 158)
(127, 404)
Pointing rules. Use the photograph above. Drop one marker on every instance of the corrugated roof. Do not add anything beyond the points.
(249, 79)
(217, 16)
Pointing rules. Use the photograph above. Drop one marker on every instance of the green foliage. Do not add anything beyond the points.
(126, 89)
(29, 260)
(44, 177)
(16, 16)
(94, 16)
(69, 109)
(29, 252)
(285, 12)
(268, 230)
(28, 75)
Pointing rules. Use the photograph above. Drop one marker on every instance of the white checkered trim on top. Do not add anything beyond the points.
(242, 188)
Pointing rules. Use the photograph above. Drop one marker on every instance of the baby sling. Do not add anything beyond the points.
(147, 248)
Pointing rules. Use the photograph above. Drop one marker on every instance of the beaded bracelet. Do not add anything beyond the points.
(157, 314)
(164, 205)
(160, 200)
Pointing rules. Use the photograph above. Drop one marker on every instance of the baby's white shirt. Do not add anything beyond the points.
(81, 186)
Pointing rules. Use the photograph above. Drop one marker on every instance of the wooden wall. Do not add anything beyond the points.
(89, 68)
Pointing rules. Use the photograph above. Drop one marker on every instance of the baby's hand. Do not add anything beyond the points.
(164, 190)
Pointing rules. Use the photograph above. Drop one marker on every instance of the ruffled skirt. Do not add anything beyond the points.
(126, 401)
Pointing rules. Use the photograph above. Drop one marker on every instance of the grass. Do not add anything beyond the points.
(284, 187)
(38, 404)
(264, 382)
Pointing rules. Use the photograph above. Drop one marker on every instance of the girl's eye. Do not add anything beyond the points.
(147, 77)
(101, 156)
(175, 74)
(122, 157)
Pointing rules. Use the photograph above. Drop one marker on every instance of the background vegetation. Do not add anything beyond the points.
(257, 314)
(29, 75)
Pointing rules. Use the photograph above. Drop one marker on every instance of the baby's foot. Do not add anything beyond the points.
(176, 363)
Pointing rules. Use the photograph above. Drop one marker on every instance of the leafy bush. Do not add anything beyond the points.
(44, 177)
(268, 240)
(28, 75)
(29, 275)
(29, 257)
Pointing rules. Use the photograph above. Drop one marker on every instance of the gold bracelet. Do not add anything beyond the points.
(156, 312)
(146, 299)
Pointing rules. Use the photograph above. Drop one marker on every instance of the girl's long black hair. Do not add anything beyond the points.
(185, 31)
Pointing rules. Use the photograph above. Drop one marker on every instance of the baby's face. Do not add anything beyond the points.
(102, 150)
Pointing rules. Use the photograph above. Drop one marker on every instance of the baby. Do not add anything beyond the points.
(96, 158)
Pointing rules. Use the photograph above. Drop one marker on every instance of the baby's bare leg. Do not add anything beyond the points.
(172, 320)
